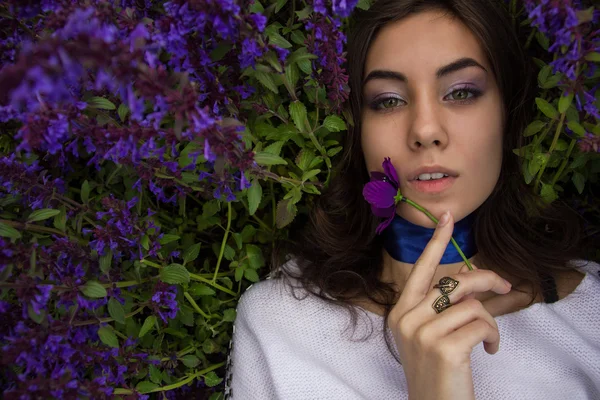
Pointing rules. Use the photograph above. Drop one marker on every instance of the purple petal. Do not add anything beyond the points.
(377, 176)
(384, 225)
(383, 212)
(380, 194)
(390, 171)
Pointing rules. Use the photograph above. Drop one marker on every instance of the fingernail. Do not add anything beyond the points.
(445, 218)
(508, 283)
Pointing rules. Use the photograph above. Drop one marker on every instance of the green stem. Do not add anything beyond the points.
(101, 320)
(211, 283)
(434, 219)
(182, 382)
(198, 277)
(224, 242)
(112, 175)
(195, 305)
(125, 283)
(552, 146)
(565, 162)
(530, 38)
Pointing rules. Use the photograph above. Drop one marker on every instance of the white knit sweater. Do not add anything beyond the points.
(284, 348)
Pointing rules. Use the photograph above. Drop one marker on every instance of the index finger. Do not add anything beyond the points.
(421, 276)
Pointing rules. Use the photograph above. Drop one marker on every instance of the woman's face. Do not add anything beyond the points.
(431, 100)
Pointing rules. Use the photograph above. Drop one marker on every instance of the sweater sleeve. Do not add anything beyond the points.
(248, 375)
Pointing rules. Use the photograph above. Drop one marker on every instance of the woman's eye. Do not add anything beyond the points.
(465, 95)
(390, 102)
(461, 94)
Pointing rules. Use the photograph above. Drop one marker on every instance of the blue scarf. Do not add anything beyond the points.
(405, 241)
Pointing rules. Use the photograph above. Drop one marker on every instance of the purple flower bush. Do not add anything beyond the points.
(150, 151)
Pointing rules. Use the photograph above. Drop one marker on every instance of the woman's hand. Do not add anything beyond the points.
(435, 349)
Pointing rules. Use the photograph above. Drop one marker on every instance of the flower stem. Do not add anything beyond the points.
(434, 219)
(224, 242)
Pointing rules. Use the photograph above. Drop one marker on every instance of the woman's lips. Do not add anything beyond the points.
(433, 185)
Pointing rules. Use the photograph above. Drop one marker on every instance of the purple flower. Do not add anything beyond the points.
(589, 143)
(163, 302)
(383, 193)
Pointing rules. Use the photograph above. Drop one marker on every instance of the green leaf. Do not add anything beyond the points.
(174, 274)
(229, 252)
(544, 74)
(101, 103)
(222, 49)
(190, 361)
(254, 196)
(60, 220)
(108, 337)
(200, 289)
(85, 192)
(298, 113)
(565, 101)
(229, 315)
(363, 4)
(145, 242)
(561, 145)
(248, 233)
(155, 374)
(191, 253)
(310, 174)
(145, 386)
(579, 161)
(312, 189)
(273, 61)
(333, 151)
(278, 40)
(576, 128)
(256, 7)
(40, 215)
(255, 256)
(548, 193)
(333, 123)
(533, 128)
(579, 181)
(279, 5)
(210, 208)
(115, 310)
(239, 273)
(305, 66)
(285, 213)
(37, 318)
(93, 290)
(122, 112)
(594, 57)
(542, 40)
(263, 158)
(148, 325)
(168, 238)
(298, 37)
(305, 158)
(274, 148)
(267, 80)
(304, 13)
(251, 275)
(292, 74)
(546, 108)
(106, 261)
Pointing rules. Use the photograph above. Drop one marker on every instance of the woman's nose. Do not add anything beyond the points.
(427, 128)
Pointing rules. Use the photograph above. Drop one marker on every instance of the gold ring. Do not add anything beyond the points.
(441, 303)
(446, 285)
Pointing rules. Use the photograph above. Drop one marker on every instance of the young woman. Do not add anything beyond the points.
(443, 89)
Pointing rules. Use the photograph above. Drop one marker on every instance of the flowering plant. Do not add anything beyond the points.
(150, 152)
(383, 194)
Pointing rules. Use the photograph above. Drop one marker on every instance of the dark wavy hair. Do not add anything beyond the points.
(336, 252)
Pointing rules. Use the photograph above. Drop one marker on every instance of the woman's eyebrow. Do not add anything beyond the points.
(454, 66)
